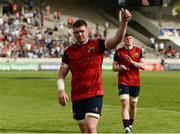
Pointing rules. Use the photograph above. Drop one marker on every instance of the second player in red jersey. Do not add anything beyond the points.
(131, 77)
(127, 62)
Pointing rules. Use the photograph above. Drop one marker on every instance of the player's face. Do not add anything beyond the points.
(128, 41)
(81, 34)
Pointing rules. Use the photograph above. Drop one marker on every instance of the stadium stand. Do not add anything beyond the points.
(143, 26)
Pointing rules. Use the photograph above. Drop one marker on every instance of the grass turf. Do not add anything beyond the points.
(28, 103)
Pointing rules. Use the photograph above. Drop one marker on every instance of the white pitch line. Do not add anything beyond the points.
(113, 107)
(159, 110)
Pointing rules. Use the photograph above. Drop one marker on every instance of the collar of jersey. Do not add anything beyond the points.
(82, 45)
(128, 49)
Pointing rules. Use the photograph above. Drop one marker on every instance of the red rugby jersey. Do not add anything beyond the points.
(131, 77)
(85, 63)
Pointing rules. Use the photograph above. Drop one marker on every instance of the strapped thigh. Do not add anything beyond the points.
(124, 96)
(134, 99)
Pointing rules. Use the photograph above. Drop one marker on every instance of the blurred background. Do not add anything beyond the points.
(40, 30)
(33, 37)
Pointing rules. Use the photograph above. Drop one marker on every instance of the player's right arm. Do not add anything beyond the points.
(62, 96)
(117, 67)
(124, 16)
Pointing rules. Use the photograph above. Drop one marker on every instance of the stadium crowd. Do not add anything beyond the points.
(163, 49)
(26, 33)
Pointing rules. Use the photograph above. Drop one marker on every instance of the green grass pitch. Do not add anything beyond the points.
(28, 103)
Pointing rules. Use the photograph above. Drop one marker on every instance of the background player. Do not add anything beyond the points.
(127, 61)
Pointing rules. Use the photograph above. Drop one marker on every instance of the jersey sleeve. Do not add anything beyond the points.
(65, 58)
(116, 57)
(102, 45)
(141, 54)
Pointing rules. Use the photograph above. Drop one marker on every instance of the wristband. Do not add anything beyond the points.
(60, 84)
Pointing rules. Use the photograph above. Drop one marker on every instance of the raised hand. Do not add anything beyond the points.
(124, 15)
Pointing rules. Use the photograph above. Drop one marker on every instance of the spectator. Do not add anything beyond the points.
(58, 14)
(152, 42)
(156, 46)
(97, 32)
(42, 18)
(177, 55)
(145, 2)
(106, 27)
(105, 32)
(29, 4)
(1, 21)
(14, 7)
(48, 10)
(161, 47)
(170, 52)
(70, 22)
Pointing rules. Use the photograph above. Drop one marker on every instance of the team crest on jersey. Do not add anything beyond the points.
(136, 55)
(91, 50)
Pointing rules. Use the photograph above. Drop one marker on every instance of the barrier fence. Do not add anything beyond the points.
(54, 65)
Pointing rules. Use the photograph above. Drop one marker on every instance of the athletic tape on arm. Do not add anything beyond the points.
(60, 84)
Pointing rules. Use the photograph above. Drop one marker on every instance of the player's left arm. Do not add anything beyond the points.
(124, 16)
(139, 64)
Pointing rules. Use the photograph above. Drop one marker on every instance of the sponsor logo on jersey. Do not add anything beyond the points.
(91, 50)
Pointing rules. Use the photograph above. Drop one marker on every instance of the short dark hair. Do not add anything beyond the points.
(79, 23)
(128, 34)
